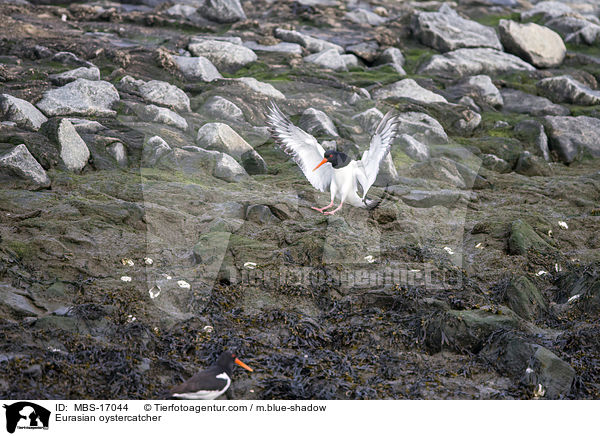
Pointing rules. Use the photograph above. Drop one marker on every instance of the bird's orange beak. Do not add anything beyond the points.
(243, 365)
(322, 162)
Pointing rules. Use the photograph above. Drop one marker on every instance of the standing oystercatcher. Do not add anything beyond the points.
(343, 175)
(211, 383)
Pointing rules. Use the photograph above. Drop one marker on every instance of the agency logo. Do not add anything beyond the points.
(26, 415)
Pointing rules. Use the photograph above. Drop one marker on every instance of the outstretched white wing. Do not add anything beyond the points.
(302, 147)
(381, 143)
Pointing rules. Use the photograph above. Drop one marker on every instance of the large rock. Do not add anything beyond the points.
(414, 149)
(219, 108)
(197, 68)
(535, 44)
(155, 148)
(546, 10)
(19, 168)
(328, 59)
(422, 127)
(222, 11)
(446, 31)
(364, 16)
(317, 123)
(81, 97)
(525, 299)
(192, 160)
(523, 103)
(162, 115)
(90, 73)
(364, 50)
(480, 88)
(157, 92)
(473, 61)
(573, 137)
(565, 89)
(410, 90)
(394, 57)
(531, 165)
(262, 88)
(72, 151)
(21, 112)
(313, 45)
(369, 119)
(468, 329)
(221, 137)
(225, 55)
(523, 238)
(282, 47)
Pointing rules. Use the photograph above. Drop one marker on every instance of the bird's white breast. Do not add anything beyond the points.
(206, 395)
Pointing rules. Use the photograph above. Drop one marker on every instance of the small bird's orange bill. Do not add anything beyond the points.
(322, 162)
(242, 364)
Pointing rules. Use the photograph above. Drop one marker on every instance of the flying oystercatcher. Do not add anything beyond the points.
(210, 383)
(343, 175)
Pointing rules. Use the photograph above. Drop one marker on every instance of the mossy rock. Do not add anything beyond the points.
(469, 329)
(523, 238)
(525, 299)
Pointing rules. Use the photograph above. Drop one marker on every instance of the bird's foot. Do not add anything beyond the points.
(329, 213)
(317, 209)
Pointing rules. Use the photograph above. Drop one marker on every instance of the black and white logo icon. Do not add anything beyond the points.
(26, 415)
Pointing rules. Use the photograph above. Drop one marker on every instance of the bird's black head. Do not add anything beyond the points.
(227, 359)
(337, 159)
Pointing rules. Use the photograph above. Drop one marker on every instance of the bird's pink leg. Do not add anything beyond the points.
(334, 210)
(323, 208)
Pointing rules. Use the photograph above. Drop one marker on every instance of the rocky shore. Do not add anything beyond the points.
(147, 221)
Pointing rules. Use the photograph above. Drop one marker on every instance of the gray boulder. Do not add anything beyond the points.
(221, 137)
(546, 10)
(408, 89)
(317, 123)
(197, 68)
(162, 115)
(394, 57)
(265, 89)
(524, 103)
(531, 165)
(533, 43)
(21, 112)
(494, 163)
(90, 73)
(19, 168)
(480, 88)
(222, 11)
(533, 131)
(422, 127)
(71, 151)
(81, 97)
(573, 137)
(445, 30)
(181, 10)
(261, 214)
(330, 59)
(282, 47)
(154, 149)
(412, 148)
(369, 119)
(225, 55)
(68, 58)
(192, 160)
(364, 16)
(565, 89)
(473, 61)
(312, 44)
(364, 50)
(219, 108)
(157, 92)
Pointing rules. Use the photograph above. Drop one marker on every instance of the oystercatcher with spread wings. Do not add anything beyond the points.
(329, 169)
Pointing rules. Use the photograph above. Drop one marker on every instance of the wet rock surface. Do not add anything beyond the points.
(183, 230)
